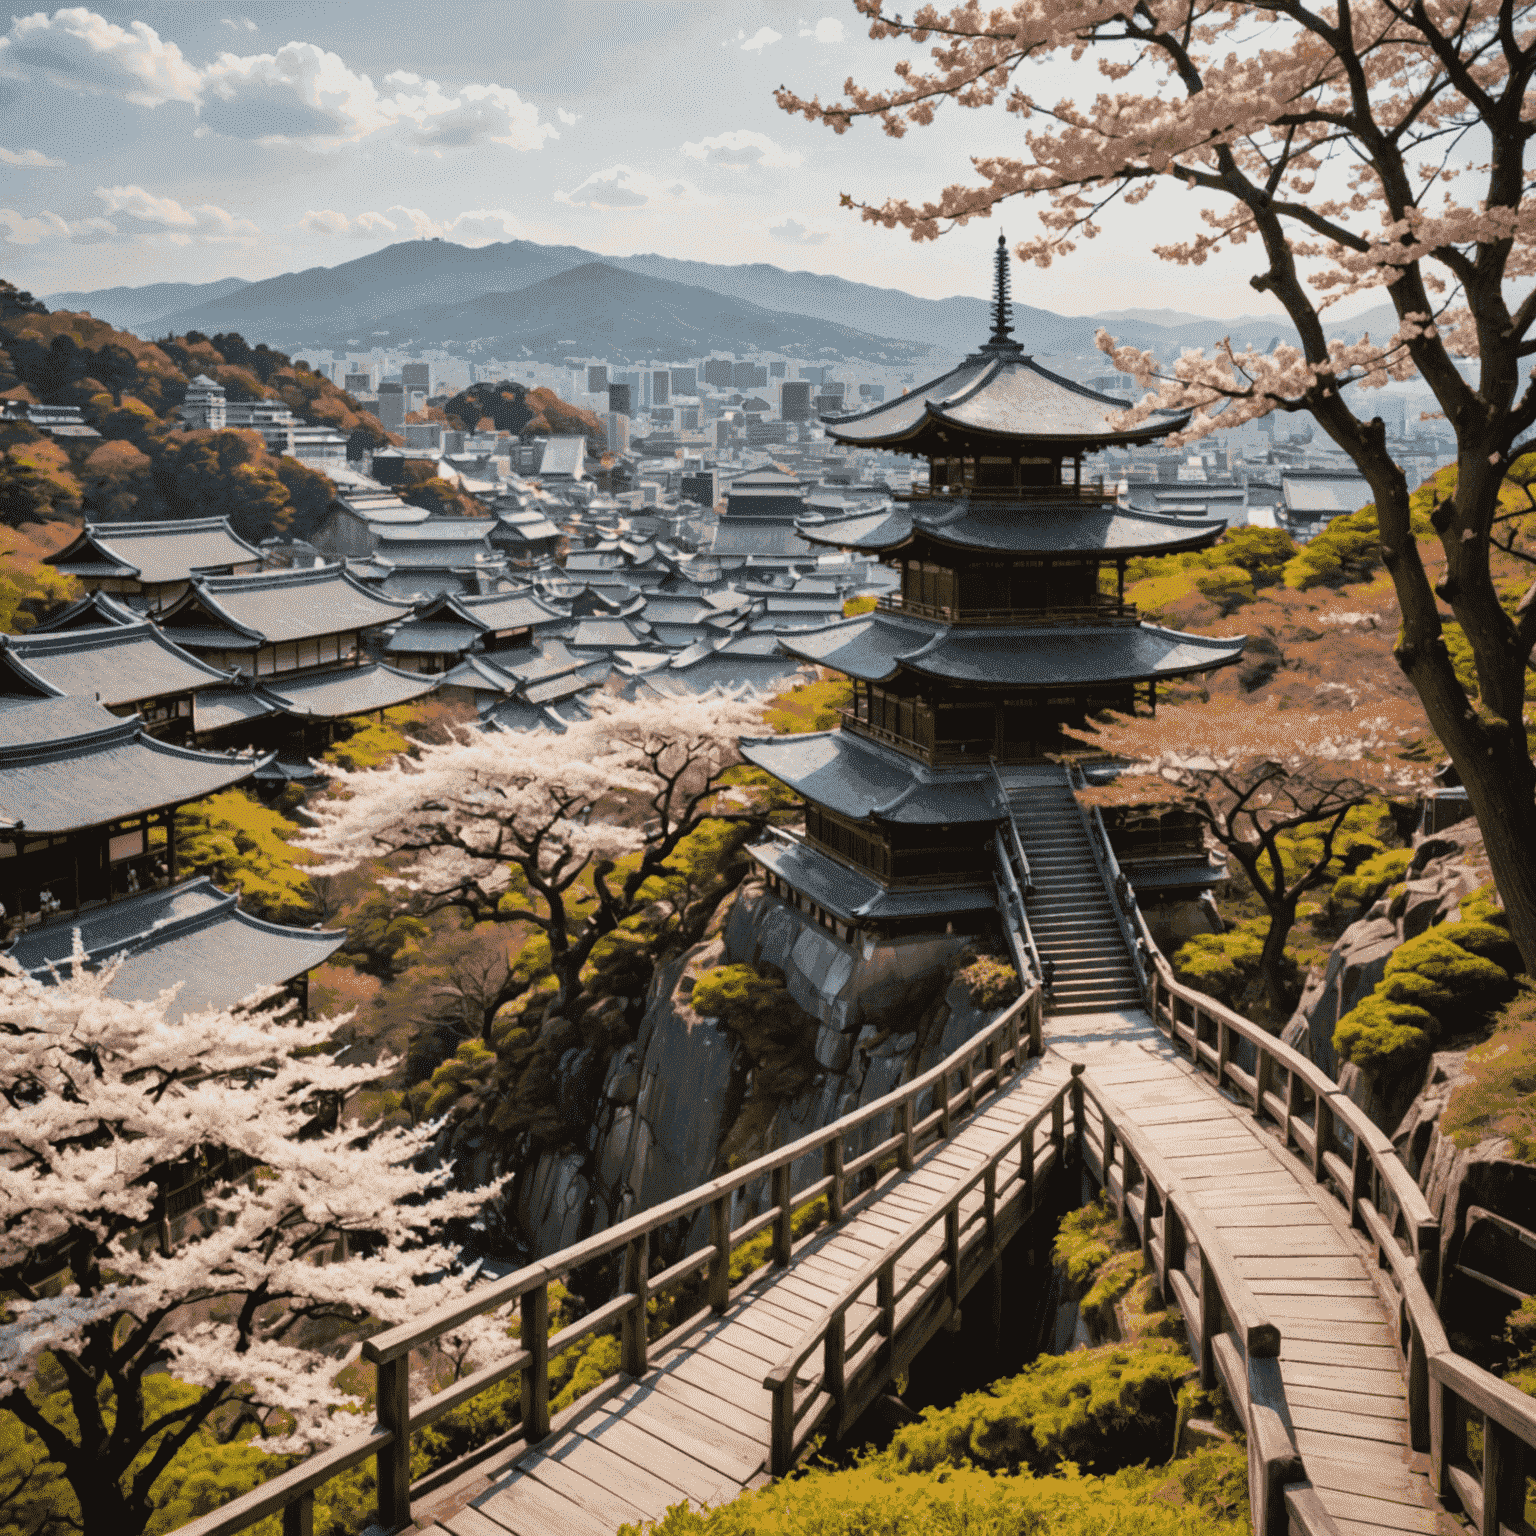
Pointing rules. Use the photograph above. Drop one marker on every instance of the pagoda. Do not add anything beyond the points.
(1010, 627)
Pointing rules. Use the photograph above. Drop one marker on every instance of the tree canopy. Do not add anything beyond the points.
(1375, 146)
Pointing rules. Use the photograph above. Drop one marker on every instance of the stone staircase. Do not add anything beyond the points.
(1071, 914)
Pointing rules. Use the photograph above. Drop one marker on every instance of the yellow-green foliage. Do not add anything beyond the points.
(231, 837)
(1497, 1100)
(1229, 574)
(992, 983)
(809, 706)
(857, 605)
(28, 587)
(1443, 980)
(1101, 1409)
(779, 1035)
(1100, 1268)
(1354, 892)
(1349, 548)
(1202, 1495)
(200, 1477)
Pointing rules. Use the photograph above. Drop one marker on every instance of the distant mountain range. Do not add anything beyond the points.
(559, 300)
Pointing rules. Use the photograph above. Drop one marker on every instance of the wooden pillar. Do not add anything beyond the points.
(1120, 581)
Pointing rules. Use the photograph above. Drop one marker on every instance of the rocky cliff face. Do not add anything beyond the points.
(669, 1113)
(1463, 1185)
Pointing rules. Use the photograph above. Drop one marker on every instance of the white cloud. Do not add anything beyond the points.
(792, 232)
(240, 24)
(34, 229)
(476, 226)
(570, 119)
(764, 37)
(621, 187)
(743, 147)
(301, 93)
(82, 51)
(828, 30)
(164, 215)
(29, 157)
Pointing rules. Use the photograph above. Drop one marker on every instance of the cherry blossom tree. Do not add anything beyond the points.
(329, 1229)
(520, 827)
(1254, 772)
(1372, 144)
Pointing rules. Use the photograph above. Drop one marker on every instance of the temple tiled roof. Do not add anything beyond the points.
(855, 896)
(174, 550)
(95, 611)
(246, 612)
(860, 779)
(191, 936)
(121, 664)
(346, 691)
(875, 646)
(66, 764)
(999, 394)
(523, 609)
(1027, 528)
(427, 639)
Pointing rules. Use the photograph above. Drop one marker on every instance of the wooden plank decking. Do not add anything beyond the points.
(696, 1427)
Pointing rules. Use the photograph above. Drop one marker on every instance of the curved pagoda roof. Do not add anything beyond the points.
(864, 781)
(118, 664)
(998, 398)
(876, 646)
(1070, 526)
(67, 764)
(246, 612)
(175, 549)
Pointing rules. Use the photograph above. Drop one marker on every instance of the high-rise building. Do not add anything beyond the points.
(815, 375)
(749, 376)
(661, 415)
(618, 431)
(661, 386)
(359, 382)
(417, 376)
(597, 378)
(795, 400)
(777, 370)
(718, 371)
(391, 405)
(685, 381)
(688, 418)
(621, 400)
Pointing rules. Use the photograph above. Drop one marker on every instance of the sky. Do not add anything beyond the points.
(171, 141)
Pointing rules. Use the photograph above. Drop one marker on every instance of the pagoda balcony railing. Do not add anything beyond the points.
(1089, 490)
(1107, 610)
(954, 752)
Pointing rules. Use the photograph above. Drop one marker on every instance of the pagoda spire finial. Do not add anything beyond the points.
(1002, 306)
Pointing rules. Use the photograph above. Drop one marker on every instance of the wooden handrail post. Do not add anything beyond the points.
(952, 1260)
(534, 1337)
(1503, 1478)
(1293, 1090)
(1426, 1254)
(634, 1347)
(1027, 1169)
(1173, 1248)
(1447, 1435)
(1108, 1163)
(885, 1297)
(783, 1232)
(1263, 1072)
(1223, 1050)
(1421, 1391)
(989, 1207)
(1361, 1167)
(1079, 1111)
(1322, 1134)
(944, 1108)
(970, 1083)
(299, 1516)
(833, 1358)
(1210, 1321)
(904, 1153)
(1037, 1024)
(781, 1449)
(1011, 1041)
(720, 1265)
(1128, 1167)
(394, 1461)
(1194, 1034)
(832, 1168)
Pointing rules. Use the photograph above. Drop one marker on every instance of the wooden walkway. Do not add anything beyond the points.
(697, 1426)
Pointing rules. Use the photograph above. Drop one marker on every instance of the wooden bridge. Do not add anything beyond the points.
(1296, 1244)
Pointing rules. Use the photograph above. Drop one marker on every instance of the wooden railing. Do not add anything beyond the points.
(982, 1066)
(1348, 1155)
(1087, 490)
(903, 1314)
(1107, 610)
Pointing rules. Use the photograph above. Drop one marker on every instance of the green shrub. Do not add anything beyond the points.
(1441, 981)
(778, 1034)
(874, 1499)
(992, 983)
(1353, 893)
(1497, 1099)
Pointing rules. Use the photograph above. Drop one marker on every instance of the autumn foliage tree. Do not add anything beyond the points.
(561, 831)
(1252, 773)
(1373, 145)
(107, 1105)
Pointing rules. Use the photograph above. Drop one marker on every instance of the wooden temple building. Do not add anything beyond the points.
(1009, 628)
(88, 806)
